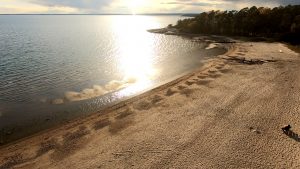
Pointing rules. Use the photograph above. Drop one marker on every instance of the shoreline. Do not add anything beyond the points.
(194, 121)
(14, 132)
(195, 37)
(123, 102)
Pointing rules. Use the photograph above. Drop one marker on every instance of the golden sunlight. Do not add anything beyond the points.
(134, 5)
(136, 51)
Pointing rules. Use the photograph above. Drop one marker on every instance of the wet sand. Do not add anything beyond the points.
(227, 114)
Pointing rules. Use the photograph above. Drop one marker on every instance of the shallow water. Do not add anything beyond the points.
(54, 68)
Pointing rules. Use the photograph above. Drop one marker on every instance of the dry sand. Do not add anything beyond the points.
(228, 114)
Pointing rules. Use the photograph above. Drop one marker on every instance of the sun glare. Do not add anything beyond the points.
(135, 54)
(135, 5)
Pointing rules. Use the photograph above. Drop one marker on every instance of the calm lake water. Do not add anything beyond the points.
(54, 68)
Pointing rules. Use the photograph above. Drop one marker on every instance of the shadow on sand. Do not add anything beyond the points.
(292, 135)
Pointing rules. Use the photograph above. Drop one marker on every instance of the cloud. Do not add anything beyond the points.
(232, 3)
(194, 6)
(123, 6)
(83, 5)
(28, 6)
(265, 3)
(239, 4)
(187, 3)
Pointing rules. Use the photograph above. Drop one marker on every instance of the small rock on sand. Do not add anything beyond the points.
(254, 130)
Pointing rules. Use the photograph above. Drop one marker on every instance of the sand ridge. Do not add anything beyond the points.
(227, 114)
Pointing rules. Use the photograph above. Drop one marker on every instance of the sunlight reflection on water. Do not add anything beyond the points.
(135, 59)
(137, 55)
(62, 67)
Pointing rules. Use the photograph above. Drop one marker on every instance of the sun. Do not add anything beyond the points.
(135, 5)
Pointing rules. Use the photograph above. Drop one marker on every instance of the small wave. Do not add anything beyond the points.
(57, 101)
(95, 91)
(115, 85)
(211, 46)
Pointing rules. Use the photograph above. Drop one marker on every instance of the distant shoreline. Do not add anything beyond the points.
(194, 37)
(222, 38)
(150, 14)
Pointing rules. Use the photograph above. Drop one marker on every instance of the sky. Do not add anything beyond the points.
(130, 6)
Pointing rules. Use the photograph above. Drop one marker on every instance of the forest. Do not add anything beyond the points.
(282, 23)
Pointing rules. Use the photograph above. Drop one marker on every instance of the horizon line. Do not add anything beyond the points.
(102, 14)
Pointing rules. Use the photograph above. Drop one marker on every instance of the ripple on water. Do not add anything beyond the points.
(39, 65)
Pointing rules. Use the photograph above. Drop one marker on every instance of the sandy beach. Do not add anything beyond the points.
(227, 114)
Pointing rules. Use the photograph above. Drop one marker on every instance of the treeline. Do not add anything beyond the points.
(279, 22)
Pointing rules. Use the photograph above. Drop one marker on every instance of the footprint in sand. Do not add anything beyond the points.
(214, 76)
(187, 92)
(241, 49)
(240, 54)
(143, 105)
(72, 141)
(189, 82)
(47, 146)
(181, 87)
(101, 124)
(148, 104)
(13, 161)
(212, 71)
(219, 67)
(124, 114)
(156, 99)
(202, 76)
(203, 82)
(120, 124)
(170, 92)
(225, 70)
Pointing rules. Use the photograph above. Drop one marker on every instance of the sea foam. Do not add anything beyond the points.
(211, 46)
(95, 91)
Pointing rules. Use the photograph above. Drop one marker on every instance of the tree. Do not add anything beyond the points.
(276, 22)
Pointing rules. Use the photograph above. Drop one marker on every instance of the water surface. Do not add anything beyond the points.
(54, 68)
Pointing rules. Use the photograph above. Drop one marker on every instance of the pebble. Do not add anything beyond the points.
(254, 130)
